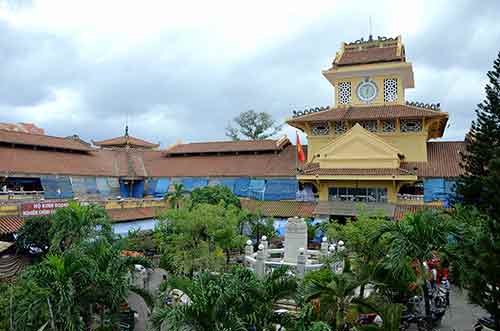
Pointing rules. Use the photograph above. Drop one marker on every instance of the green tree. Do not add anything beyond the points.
(213, 195)
(199, 238)
(176, 197)
(236, 300)
(411, 242)
(254, 126)
(479, 187)
(482, 157)
(34, 235)
(475, 258)
(335, 292)
(75, 223)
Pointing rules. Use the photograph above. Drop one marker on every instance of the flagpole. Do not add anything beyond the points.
(296, 154)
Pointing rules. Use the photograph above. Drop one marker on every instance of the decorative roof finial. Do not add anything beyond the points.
(126, 130)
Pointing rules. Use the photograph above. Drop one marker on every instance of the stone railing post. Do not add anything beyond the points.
(301, 263)
(248, 248)
(260, 267)
(265, 244)
(324, 246)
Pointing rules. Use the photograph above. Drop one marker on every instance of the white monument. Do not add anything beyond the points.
(295, 238)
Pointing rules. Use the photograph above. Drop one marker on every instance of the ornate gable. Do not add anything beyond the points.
(358, 148)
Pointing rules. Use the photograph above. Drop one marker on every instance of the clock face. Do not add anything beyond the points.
(367, 91)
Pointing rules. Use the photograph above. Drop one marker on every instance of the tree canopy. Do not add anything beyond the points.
(254, 126)
(214, 195)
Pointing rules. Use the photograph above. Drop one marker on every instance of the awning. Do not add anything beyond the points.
(10, 224)
(349, 208)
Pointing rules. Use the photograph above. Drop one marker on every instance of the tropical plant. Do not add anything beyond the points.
(214, 195)
(199, 238)
(254, 126)
(236, 300)
(334, 292)
(34, 235)
(75, 223)
(411, 242)
(176, 197)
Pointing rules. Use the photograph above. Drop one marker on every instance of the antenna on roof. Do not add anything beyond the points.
(126, 125)
(370, 37)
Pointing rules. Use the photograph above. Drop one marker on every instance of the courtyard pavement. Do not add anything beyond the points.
(461, 315)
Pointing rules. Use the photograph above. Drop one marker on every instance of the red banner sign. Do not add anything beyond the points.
(41, 208)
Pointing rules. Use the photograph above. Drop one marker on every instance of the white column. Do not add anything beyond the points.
(295, 238)
(260, 267)
(301, 262)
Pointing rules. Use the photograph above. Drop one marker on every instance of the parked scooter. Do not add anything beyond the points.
(484, 324)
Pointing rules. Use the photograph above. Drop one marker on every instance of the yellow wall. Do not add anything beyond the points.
(379, 99)
(413, 145)
(392, 187)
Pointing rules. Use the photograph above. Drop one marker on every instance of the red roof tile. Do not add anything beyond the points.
(124, 141)
(29, 139)
(314, 169)
(10, 224)
(368, 113)
(369, 55)
(443, 160)
(284, 208)
(229, 146)
(402, 210)
(130, 214)
(22, 127)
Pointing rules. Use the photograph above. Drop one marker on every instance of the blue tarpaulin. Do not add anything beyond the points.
(162, 187)
(90, 185)
(256, 189)
(241, 186)
(107, 187)
(281, 189)
(151, 186)
(138, 189)
(306, 194)
(191, 183)
(439, 189)
(56, 187)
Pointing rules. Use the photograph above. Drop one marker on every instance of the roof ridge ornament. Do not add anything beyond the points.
(307, 111)
(431, 106)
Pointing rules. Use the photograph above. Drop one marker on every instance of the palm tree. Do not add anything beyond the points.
(236, 300)
(76, 223)
(411, 242)
(175, 197)
(335, 292)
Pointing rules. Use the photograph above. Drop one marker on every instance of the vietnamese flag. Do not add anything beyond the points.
(300, 152)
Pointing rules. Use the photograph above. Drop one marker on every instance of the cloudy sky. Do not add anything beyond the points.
(181, 70)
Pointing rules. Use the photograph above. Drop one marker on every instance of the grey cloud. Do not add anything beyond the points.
(166, 80)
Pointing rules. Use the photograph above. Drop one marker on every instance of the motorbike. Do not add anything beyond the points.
(484, 324)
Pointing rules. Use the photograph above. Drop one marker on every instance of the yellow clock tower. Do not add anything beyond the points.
(371, 141)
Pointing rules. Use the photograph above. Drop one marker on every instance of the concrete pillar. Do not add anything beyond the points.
(265, 244)
(324, 246)
(249, 248)
(301, 262)
(260, 267)
(295, 238)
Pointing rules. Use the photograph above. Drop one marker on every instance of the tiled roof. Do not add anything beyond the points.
(443, 160)
(4, 245)
(368, 113)
(29, 139)
(402, 210)
(125, 140)
(314, 169)
(10, 224)
(370, 55)
(280, 164)
(352, 208)
(283, 208)
(22, 127)
(130, 214)
(229, 146)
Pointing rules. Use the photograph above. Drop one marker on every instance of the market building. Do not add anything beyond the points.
(369, 148)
